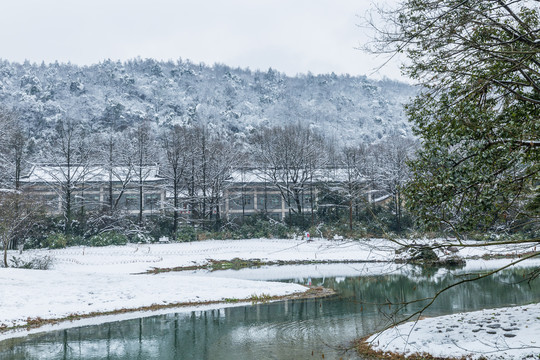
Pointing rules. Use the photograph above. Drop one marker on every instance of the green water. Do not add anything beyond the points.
(300, 329)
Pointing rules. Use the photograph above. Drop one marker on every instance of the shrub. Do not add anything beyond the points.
(186, 233)
(56, 241)
(108, 238)
(37, 263)
(75, 240)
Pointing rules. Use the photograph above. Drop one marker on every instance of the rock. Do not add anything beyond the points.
(509, 335)
(491, 332)
(494, 326)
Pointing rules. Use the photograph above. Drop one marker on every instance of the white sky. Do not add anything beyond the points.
(291, 36)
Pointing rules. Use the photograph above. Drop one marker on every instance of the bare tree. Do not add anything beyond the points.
(145, 155)
(289, 156)
(70, 154)
(223, 158)
(118, 156)
(176, 159)
(14, 148)
(14, 224)
(353, 185)
(393, 171)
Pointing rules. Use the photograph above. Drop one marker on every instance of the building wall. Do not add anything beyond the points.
(95, 198)
(251, 199)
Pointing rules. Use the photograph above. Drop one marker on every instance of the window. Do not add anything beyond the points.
(151, 202)
(274, 201)
(248, 201)
(92, 202)
(306, 198)
(241, 202)
(131, 201)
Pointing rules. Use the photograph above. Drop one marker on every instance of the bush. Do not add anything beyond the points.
(37, 263)
(108, 238)
(186, 233)
(158, 226)
(56, 241)
(423, 255)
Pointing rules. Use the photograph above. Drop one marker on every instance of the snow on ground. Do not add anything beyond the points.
(503, 333)
(56, 294)
(136, 258)
(92, 279)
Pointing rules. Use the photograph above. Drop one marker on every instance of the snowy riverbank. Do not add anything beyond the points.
(91, 280)
(503, 333)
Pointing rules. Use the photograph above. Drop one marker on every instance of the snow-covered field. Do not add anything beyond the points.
(84, 280)
(137, 258)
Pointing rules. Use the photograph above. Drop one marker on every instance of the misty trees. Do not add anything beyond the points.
(239, 98)
(478, 115)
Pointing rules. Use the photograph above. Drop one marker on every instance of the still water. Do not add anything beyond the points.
(299, 329)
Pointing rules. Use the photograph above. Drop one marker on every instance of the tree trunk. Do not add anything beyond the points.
(175, 204)
(140, 190)
(5, 252)
(350, 213)
(111, 204)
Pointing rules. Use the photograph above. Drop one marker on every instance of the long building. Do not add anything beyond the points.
(247, 192)
(92, 188)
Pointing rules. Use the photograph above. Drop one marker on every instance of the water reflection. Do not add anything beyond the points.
(284, 330)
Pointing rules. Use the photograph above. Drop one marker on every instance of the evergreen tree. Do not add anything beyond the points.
(478, 114)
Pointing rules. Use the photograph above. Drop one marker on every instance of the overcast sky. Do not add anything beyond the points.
(291, 36)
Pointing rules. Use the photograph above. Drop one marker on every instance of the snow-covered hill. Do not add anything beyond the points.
(346, 108)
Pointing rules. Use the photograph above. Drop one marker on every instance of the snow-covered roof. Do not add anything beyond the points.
(97, 174)
(9, 191)
(261, 176)
(381, 198)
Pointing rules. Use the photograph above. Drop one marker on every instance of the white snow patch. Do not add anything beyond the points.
(503, 333)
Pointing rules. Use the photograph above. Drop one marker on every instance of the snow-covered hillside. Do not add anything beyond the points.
(346, 108)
